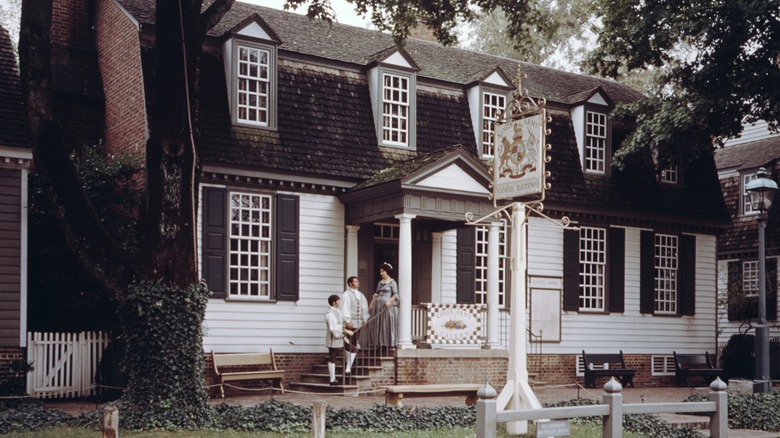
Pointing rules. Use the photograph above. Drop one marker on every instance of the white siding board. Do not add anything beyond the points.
(245, 326)
(631, 331)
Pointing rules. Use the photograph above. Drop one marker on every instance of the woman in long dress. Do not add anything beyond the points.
(384, 328)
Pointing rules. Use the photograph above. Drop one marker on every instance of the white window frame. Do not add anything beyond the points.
(596, 142)
(593, 269)
(750, 278)
(396, 109)
(667, 275)
(481, 268)
(250, 239)
(662, 365)
(492, 103)
(254, 84)
(747, 208)
(670, 175)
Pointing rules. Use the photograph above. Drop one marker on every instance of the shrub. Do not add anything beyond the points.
(14, 380)
(738, 358)
(755, 411)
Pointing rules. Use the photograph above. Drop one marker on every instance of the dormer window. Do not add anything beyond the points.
(747, 208)
(492, 103)
(392, 81)
(250, 58)
(395, 109)
(487, 94)
(595, 142)
(254, 85)
(590, 117)
(669, 175)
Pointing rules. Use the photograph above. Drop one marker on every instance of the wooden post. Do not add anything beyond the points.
(318, 420)
(110, 422)
(486, 412)
(613, 423)
(719, 420)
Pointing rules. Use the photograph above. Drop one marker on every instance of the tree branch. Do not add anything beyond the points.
(214, 13)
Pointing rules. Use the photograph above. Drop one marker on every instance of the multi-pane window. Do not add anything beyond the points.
(387, 231)
(595, 142)
(593, 265)
(253, 85)
(250, 245)
(747, 208)
(669, 175)
(395, 109)
(750, 278)
(491, 105)
(666, 273)
(481, 268)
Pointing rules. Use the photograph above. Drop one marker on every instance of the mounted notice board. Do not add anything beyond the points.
(546, 310)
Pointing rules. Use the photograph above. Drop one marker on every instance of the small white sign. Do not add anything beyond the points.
(546, 282)
(546, 429)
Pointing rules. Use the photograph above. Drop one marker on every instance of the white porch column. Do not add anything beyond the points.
(352, 251)
(405, 281)
(492, 286)
(436, 268)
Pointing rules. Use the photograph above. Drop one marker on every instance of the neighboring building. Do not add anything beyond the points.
(15, 157)
(327, 150)
(738, 277)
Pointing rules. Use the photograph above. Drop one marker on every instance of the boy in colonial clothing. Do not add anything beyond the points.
(334, 336)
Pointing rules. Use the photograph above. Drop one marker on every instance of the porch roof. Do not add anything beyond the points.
(442, 185)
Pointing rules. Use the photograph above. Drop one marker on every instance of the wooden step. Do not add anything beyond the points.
(325, 377)
(322, 387)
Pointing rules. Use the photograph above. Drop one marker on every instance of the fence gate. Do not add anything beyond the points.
(64, 364)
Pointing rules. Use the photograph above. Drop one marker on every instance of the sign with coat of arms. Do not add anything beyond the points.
(519, 160)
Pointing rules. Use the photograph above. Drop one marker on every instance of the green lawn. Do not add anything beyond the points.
(578, 431)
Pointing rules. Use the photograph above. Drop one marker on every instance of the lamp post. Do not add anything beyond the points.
(761, 191)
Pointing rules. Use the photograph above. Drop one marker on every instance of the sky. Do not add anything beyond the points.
(345, 12)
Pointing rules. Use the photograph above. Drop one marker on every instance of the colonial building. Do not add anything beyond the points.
(738, 278)
(327, 151)
(15, 159)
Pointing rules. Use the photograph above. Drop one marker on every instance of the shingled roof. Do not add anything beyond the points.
(360, 46)
(326, 125)
(14, 131)
(741, 238)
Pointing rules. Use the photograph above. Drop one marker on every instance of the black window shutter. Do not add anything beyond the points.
(687, 285)
(735, 295)
(647, 272)
(617, 269)
(287, 243)
(571, 270)
(214, 240)
(771, 289)
(466, 263)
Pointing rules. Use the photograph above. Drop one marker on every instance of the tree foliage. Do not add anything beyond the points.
(720, 61)
(558, 42)
(399, 17)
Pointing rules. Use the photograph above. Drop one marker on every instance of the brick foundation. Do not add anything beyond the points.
(9, 378)
(425, 366)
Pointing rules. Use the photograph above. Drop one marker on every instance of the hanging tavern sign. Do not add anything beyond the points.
(520, 149)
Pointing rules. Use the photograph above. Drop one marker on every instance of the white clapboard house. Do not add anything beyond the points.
(327, 151)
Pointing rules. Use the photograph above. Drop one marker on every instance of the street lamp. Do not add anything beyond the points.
(761, 191)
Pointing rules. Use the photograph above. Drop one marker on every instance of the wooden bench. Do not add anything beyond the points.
(612, 365)
(246, 366)
(394, 394)
(695, 365)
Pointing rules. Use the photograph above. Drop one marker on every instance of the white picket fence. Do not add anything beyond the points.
(65, 364)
